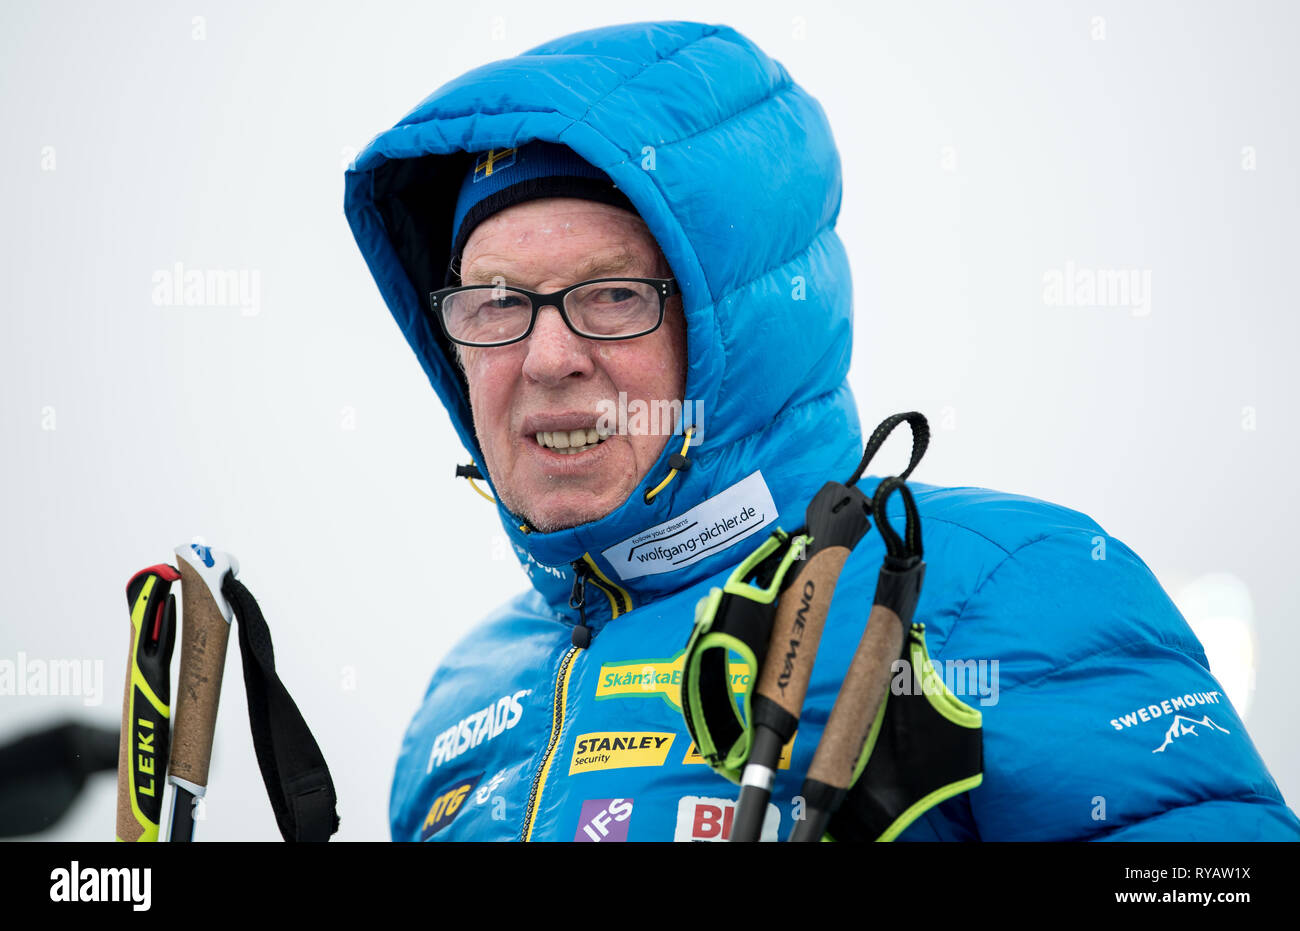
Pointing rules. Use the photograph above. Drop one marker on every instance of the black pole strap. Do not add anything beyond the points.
(907, 547)
(920, 442)
(297, 778)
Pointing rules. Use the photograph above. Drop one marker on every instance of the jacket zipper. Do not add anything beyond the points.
(620, 602)
(557, 725)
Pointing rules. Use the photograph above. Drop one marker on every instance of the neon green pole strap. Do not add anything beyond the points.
(735, 619)
(925, 746)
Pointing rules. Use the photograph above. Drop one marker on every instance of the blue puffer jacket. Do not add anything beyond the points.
(1101, 718)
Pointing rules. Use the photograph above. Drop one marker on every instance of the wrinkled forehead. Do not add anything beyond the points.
(560, 240)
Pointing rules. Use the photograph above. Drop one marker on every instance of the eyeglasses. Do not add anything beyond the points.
(603, 308)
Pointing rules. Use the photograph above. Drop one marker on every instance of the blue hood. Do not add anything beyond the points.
(734, 170)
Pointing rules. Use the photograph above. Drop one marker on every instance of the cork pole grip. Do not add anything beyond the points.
(797, 630)
(204, 634)
(128, 828)
(865, 686)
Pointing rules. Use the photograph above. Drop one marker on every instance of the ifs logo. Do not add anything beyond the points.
(604, 819)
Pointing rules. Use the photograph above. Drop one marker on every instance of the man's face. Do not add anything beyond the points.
(554, 381)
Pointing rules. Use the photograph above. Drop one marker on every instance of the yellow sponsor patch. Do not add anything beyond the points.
(661, 677)
(619, 750)
(693, 753)
(446, 807)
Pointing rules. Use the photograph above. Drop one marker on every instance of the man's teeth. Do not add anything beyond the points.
(569, 442)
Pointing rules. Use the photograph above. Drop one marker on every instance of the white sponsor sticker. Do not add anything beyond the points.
(709, 527)
(709, 819)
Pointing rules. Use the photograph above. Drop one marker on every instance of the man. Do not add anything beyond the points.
(680, 161)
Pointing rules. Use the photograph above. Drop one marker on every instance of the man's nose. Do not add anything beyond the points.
(554, 351)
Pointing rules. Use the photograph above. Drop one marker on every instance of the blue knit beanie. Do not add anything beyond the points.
(501, 178)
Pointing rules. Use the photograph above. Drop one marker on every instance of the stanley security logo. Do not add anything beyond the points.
(619, 750)
(657, 677)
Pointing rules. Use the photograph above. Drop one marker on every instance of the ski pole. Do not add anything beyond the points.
(866, 685)
(205, 631)
(836, 520)
(146, 704)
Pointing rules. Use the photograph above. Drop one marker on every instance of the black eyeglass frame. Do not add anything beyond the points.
(664, 287)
